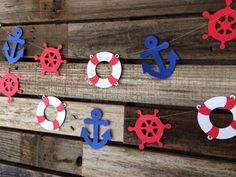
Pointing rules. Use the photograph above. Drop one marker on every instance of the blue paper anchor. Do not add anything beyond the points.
(15, 38)
(96, 115)
(154, 49)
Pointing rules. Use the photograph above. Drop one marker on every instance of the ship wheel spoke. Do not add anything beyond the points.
(153, 131)
(150, 132)
(52, 56)
(47, 56)
(143, 126)
(9, 88)
(53, 59)
(231, 30)
(225, 31)
(8, 84)
(155, 127)
(227, 18)
(50, 61)
(233, 22)
(220, 28)
(219, 22)
(145, 132)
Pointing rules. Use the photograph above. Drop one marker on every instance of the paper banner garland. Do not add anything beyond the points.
(96, 121)
(204, 112)
(9, 85)
(221, 24)
(11, 53)
(154, 49)
(61, 113)
(51, 60)
(149, 128)
(114, 62)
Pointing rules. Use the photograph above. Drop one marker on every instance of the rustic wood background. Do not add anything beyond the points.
(86, 27)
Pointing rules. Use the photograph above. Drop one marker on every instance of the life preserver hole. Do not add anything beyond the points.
(221, 117)
(103, 69)
(50, 113)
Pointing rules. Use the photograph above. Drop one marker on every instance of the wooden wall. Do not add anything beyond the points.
(86, 27)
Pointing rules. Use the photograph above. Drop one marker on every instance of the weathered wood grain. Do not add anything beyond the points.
(189, 85)
(36, 35)
(185, 134)
(125, 38)
(22, 115)
(13, 11)
(12, 171)
(120, 161)
(41, 151)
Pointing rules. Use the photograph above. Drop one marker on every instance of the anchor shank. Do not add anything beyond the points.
(96, 130)
(14, 45)
(159, 61)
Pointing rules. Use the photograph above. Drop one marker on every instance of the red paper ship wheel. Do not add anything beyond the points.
(149, 128)
(51, 60)
(221, 25)
(9, 85)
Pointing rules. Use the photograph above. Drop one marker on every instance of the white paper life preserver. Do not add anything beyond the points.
(205, 110)
(114, 62)
(61, 113)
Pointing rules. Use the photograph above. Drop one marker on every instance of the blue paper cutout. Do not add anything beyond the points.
(16, 39)
(96, 115)
(154, 49)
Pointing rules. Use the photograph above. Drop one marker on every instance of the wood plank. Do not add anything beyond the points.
(11, 171)
(47, 152)
(185, 134)
(189, 85)
(176, 139)
(126, 38)
(36, 36)
(24, 117)
(120, 161)
(13, 11)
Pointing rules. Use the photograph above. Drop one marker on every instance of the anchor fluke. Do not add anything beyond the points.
(96, 121)
(154, 49)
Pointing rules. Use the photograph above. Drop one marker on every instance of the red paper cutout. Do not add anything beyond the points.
(51, 60)
(221, 24)
(9, 85)
(204, 114)
(149, 128)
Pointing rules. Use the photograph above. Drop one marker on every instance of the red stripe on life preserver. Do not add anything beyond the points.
(46, 101)
(233, 124)
(94, 60)
(213, 132)
(230, 103)
(204, 110)
(114, 60)
(112, 80)
(94, 79)
(55, 124)
(41, 119)
(60, 108)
